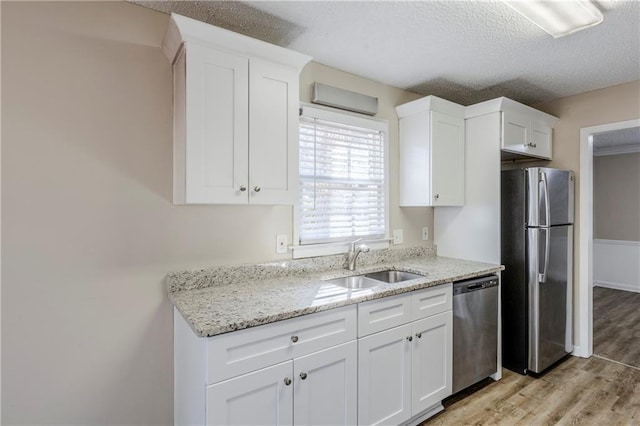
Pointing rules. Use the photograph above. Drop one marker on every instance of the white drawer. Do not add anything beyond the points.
(240, 352)
(431, 301)
(382, 314)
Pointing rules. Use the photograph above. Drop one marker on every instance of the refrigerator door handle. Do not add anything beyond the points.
(542, 277)
(545, 192)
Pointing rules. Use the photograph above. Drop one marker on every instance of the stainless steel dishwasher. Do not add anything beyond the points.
(475, 330)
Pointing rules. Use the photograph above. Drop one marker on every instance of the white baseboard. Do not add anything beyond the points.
(617, 286)
(581, 352)
(429, 412)
(615, 264)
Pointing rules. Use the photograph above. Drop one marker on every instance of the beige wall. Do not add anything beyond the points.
(88, 228)
(616, 197)
(608, 105)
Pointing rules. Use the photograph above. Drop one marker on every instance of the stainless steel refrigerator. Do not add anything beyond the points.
(537, 252)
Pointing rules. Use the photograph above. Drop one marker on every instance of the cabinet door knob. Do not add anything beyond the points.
(257, 188)
(294, 339)
(303, 376)
(287, 381)
(530, 144)
(436, 196)
(410, 338)
(418, 335)
(243, 188)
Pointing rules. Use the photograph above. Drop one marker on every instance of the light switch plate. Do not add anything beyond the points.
(282, 243)
(398, 237)
(425, 233)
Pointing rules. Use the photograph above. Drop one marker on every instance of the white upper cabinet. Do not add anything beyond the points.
(526, 132)
(273, 133)
(211, 127)
(432, 138)
(235, 116)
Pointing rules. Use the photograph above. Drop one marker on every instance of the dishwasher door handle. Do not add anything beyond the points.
(476, 286)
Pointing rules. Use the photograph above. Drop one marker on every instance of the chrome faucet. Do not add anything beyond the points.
(353, 253)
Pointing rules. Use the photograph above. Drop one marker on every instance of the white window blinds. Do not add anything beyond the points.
(342, 178)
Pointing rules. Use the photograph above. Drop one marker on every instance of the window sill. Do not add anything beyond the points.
(327, 249)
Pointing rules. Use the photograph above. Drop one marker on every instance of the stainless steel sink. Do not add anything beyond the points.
(373, 279)
(355, 282)
(393, 276)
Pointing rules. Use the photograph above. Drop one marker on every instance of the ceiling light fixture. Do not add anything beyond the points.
(558, 17)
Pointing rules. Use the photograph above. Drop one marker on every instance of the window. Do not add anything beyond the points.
(343, 178)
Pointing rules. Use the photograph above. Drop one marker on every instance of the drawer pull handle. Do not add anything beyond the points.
(303, 376)
(410, 338)
(418, 335)
(294, 339)
(287, 381)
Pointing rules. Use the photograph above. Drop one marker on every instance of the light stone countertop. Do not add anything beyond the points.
(224, 299)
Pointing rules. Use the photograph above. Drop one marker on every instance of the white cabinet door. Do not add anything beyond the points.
(211, 131)
(526, 135)
(235, 129)
(273, 133)
(447, 167)
(541, 139)
(431, 360)
(259, 398)
(325, 391)
(432, 146)
(384, 377)
(515, 132)
(415, 160)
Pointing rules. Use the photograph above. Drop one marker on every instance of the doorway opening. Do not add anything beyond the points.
(584, 305)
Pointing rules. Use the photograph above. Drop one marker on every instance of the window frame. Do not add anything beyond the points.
(355, 119)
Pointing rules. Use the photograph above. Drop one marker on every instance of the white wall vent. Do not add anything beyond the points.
(344, 99)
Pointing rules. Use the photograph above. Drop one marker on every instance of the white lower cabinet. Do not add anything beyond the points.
(314, 370)
(325, 387)
(299, 371)
(431, 361)
(316, 389)
(384, 377)
(261, 397)
(404, 372)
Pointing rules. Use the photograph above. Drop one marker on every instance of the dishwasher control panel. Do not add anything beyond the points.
(466, 286)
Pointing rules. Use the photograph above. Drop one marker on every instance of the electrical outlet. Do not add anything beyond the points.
(398, 237)
(282, 243)
(425, 233)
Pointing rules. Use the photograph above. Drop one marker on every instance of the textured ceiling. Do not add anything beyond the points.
(464, 51)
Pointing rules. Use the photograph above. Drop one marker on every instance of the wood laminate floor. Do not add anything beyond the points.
(597, 391)
(578, 391)
(616, 325)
